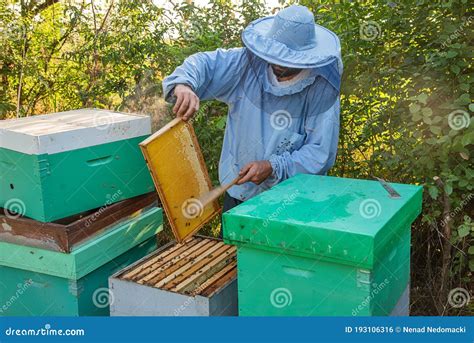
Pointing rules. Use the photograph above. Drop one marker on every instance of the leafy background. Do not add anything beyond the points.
(408, 66)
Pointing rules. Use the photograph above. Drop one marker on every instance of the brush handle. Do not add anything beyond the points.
(214, 194)
(234, 181)
(217, 192)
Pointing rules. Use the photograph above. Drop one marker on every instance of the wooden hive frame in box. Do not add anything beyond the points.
(199, 266)
(195, 278)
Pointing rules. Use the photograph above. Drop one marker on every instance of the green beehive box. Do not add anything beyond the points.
(323, 246)
(57, 165)
(38, 282)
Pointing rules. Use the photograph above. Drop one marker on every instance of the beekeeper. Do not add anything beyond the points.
(282, 89)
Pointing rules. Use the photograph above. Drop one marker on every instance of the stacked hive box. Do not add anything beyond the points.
(42, 282)
(73, 187)
(319, 245)
(57, 165)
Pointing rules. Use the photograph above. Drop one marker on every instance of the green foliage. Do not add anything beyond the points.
(406, 100)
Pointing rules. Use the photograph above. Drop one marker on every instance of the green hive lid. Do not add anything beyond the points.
(89, 256)
(345, 220)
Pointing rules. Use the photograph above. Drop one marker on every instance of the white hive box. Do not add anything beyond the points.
(195, 278)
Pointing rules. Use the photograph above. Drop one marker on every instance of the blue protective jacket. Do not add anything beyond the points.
(296, 127)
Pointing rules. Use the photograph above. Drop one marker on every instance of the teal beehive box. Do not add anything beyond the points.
(38, 282)
(57, 165)
(323, 246)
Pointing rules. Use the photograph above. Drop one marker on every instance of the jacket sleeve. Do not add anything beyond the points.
(211, 75)
(318, 152)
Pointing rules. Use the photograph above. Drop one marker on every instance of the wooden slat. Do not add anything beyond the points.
(155, 257)
(176, 262)
(158, 259)
(181, 272)
(224, 280)
(197, 279)
(200, 265)
(164, 257)
(179, 262)
(213, 279)
(201, 270)
(210, 255)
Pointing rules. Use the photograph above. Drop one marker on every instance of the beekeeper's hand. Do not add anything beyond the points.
(187, 102)
(256, 172)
